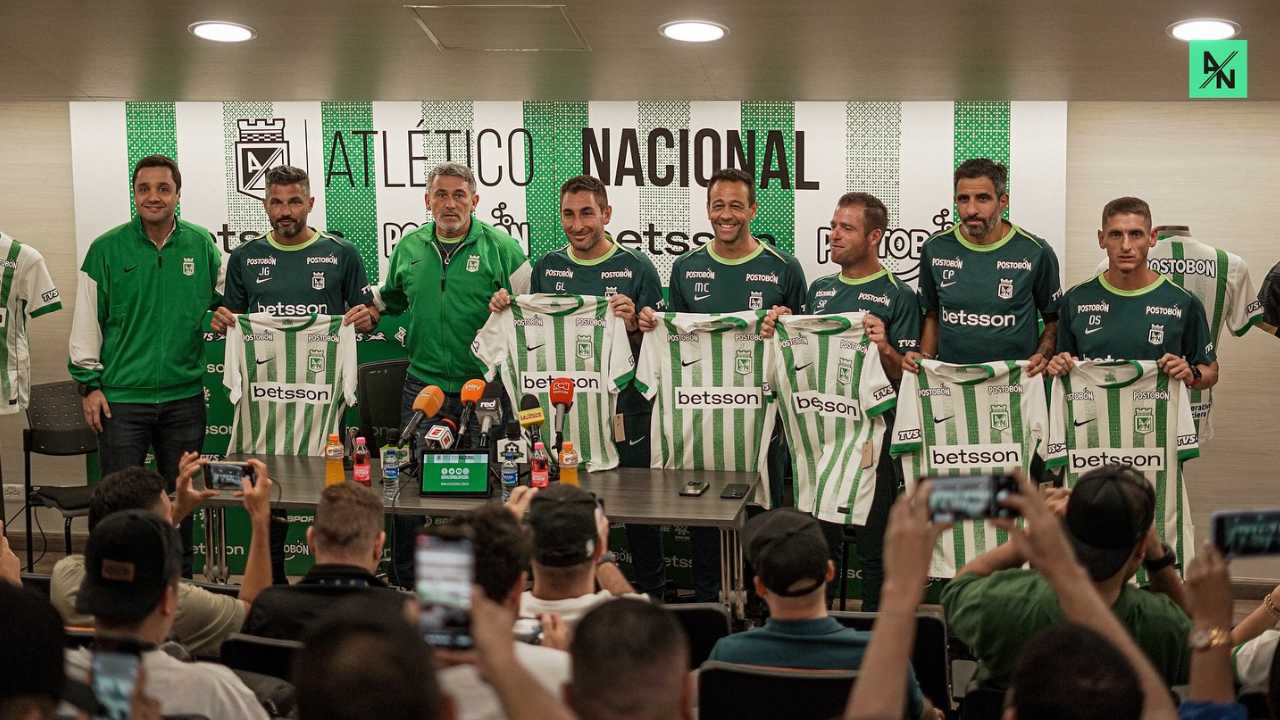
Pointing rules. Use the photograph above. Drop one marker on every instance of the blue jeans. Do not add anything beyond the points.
(170, 429)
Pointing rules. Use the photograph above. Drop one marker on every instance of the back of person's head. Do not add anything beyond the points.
(1069, 672)
(565, 535)
(31, 670)
(133, 488)
(133, 558)
(630, 660)
(1108, 516)
(501, 549)
(788, 554)
(359, 663)
(348, 522)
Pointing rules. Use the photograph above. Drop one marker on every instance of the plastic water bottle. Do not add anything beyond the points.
(569, 464)
(539, 469)
(361, 470)
(390, 471)
(510, 475)
(333, 472)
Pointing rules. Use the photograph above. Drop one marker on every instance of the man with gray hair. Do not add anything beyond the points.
(442, 275)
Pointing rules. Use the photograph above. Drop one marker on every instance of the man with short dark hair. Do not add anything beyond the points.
(136, 346)
(362, 663)
(132, 564)
(639, 642)
(791, 560)
(996, 607)
(203, 619)
(346, 540)
(570, 556)
(1071, 672)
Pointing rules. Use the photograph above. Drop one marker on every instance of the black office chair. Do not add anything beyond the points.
(704, 624)
(929, 655)
(255, 654)
(746, 692)
(378, 389)
(55, 426)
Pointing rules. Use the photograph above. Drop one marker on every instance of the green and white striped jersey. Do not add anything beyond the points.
(831, 392)
(26, 291)
(541, 337)
(1221, 280)
(714, 409)
(1129, 412)
(959, 420)
(290, 378)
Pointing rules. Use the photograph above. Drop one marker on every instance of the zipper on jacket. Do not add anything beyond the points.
(444, 266)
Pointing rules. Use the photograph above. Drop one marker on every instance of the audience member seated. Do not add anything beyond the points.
(346, 540)
(502, 554)
(204, 619)
(1071, 666)
(132, 565)
(362, 664)
(630, 662)
(570, 556)
(995, 607)
(31, 640)
(789, 554)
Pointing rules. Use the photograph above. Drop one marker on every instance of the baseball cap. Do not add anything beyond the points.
(563, 518)
(785, 546)
(1108, 514)
(129, 560)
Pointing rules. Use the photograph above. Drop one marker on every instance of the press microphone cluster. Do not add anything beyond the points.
(562, 398)
(427, 405)
(531, 418)
(442, 434)
(471, 393)
(489, 412)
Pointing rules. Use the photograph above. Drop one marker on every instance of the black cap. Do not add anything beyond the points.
(1108, 514)
(130, 559)
(785, 546)
(563, 518)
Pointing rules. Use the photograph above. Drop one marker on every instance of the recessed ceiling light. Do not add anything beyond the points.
(221, 31)
(1203, 29)
(694, 31)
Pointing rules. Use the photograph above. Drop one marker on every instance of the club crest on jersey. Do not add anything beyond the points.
(1144, 421)
(742, 362)
(317, 281)
(610, 291)
(315, 361)
(1155, 336)
(1000, 417)
(584, 346)
(1004, 290)
(473, 263)
(400, 336)
(844, 374)
(756, 301)
(188, 266)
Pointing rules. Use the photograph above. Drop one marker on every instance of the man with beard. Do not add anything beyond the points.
(294, 270)
(983, 282)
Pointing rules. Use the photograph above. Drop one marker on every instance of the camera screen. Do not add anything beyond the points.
(114, 675)
(223, 476)
(1247, 533)
(969, 498)
(444, 571)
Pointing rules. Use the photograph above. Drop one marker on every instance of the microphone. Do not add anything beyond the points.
(489, 412)
(427, 405)
(531, 417)
(562, 398)
(472, 391)
(440, 436)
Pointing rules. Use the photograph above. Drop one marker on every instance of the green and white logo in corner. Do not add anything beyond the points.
(1218, 69)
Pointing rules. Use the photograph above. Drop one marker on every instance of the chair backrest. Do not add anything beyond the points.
(704, 624)
(929, 655)
(745, 692)
(265, 656)
(55, 421)
(378, 388)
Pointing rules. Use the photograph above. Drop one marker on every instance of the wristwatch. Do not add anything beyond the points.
(1155, 566)
(1208, 638)
(1196, 374)
(84, 390)
(607, 557)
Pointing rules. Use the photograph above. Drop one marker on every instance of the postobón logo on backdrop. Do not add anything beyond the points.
(1145, 459)
(292, 392)
(393, 232)
(583, 382)
(719, 398)
(261, 147)
(974, 457)
(809, 401)
(899, 249)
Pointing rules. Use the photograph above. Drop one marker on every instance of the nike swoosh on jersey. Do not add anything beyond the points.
(942, 420)
(636, 442)
(131, 269)
(700, 298)
(1084, 422)
(1091, 331)
(262, 280)
(687, 364)
(535, 347)
(414, 262)
(800, 368)
(264, 361)
(948, 284)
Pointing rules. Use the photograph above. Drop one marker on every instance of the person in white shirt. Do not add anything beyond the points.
(132, 565)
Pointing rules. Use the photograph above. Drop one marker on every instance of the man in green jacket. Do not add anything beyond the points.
(136, 337)
(443, 275)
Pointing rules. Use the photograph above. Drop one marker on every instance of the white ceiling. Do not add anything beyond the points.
(776, 49)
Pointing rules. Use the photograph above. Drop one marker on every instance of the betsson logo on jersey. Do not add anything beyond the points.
(1144, 459)
(965, 318)
(809, 401)
(583, 382)
(292, 392)
(719, 398)
(974, 457)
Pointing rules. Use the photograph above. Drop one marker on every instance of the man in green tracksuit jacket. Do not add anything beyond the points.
(136, 338)
(443, 275)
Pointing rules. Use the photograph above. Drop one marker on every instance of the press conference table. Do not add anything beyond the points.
(641, 496)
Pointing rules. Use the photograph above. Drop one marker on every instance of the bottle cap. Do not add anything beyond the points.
(568, 446)
(333, 438)
(539, 446)
(360, 440)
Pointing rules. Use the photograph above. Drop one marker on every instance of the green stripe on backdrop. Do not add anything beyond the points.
(150, 128)
(351, 207)
(438, 147)
(981, 129)
(556, 128)
(776, 213)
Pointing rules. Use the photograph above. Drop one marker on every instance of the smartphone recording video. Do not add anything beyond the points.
(114, 676)
(970, 498)
(1246, 533)
(444, 570)
(225, 476)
